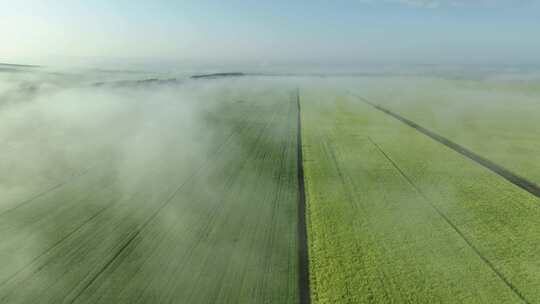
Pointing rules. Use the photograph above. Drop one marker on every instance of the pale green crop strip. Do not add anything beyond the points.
(374, 238)
(497, 120)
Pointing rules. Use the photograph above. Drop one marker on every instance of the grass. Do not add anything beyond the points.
(397, 217)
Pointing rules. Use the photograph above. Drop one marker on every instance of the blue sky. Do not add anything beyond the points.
(251, 32)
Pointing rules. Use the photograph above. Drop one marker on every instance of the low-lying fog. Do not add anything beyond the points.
(56, 124)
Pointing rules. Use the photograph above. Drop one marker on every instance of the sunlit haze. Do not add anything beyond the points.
(266, 33)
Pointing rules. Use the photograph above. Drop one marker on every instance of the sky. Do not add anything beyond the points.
(270, 32)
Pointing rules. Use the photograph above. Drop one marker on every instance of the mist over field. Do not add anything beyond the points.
(289, 152)
(119, 185)
(58, 124)
(55, 127)
(92, 159)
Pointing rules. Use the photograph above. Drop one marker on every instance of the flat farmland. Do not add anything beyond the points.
(495, 118)
(205, 214)
(238, 188)
(394, 216)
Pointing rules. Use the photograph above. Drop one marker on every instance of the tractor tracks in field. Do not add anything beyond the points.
(515, 179)
(303, 258)
(454, 227)
(133, 235)
(70, 179)
(129, 241)
(99, 212)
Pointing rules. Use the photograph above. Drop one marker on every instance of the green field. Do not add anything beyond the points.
(396, 217)
(187, 225)
(189, 192)
(496, 119)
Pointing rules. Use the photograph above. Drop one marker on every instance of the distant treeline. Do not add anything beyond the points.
(122, 83)
(217, 75)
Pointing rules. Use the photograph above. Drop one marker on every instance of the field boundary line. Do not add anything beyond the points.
(499, 274)
(303, 258)
(515, 179)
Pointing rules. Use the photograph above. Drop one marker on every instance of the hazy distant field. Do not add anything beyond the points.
(117, 190)
(495, 118)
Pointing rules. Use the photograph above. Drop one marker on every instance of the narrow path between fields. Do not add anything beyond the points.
(303, 260)
(515, 179)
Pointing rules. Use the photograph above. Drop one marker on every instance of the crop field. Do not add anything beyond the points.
(496, 119)
(170, 218)
(395, 216)
(238, 188)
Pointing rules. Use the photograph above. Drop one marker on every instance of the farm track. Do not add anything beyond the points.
(503, 278)
(515, 179)
(303, 259)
